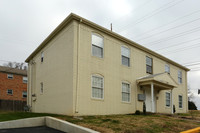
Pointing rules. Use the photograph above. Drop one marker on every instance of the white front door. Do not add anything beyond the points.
(148, 100)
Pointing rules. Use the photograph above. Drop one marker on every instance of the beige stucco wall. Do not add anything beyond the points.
(56, 73)
(68, 66)
(114, 74)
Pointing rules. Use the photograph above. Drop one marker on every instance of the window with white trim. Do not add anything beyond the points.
(125, 54)
(180, 101)
(179, 76)
(24, 94)
(41, 88)
(167, 68)
(97, 87)
(9, 91)
(125, 92)
(10, 76)
(168, 99)
(25, 79)
(42, 56)
(149, 63)
(97, 45)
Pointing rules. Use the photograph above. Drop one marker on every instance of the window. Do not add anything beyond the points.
(41, 88)
(25, 79)
(10, 76)
(149, 65)
(167, 68)
(125, 52)
(24, 94)
(168, 99)
(42, 56)
(180, 101)
(97, 87)
(9, 91)
(179, 77)
(97, 46)
(125, 92)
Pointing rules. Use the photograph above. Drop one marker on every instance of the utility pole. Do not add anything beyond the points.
(111, 26)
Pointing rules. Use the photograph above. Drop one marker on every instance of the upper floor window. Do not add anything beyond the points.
(97, 46)
(42, 56)
(180, 101)
(168, 99)
(10, 76)
(149, 63)
(41, 88)
(24, 94)
(97, 87)
(9, 91)
(167, 68)
(179, 76)
(125, 92)
(25, 79)
(125, 53)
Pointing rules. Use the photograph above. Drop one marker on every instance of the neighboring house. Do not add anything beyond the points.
(82, 68)
(13, 84)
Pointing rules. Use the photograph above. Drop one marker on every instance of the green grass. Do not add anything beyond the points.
(6, 116)
(151, 123)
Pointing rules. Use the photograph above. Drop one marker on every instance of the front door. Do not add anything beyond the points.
(148, 100)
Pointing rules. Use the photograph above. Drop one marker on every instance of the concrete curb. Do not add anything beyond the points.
(46, 121)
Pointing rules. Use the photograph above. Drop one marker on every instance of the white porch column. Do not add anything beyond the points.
(152, 98)
(172, 110)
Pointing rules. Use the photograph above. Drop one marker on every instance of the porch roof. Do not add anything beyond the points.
(162, 80)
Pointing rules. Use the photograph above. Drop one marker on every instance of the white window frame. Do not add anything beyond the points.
(97, 35)
(97, 75)
(167, 68)
(41, 88)
(126, 92)
(180, 77)
(169, 99)
(149, 65)
(10, 76)
(180, 101)
(126, 56)
(42, 56)
(25, 80)
(11, 91)
(24, 93)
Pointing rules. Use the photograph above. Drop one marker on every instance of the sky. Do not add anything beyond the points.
(169, 27)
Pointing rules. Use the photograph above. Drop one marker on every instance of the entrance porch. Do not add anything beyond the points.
(152, 85)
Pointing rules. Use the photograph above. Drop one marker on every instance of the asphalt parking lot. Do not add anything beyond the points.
(42, 129)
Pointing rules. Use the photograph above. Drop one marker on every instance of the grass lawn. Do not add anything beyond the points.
(155, 123)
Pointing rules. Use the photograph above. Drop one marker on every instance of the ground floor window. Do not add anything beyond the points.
(125, 92)
(97, 87)
(168, 99)
(180, 101)
(9, 91)
(24, 94)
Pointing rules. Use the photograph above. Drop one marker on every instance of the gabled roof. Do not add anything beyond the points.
(73, 16)
(161, 78)
(13, 71)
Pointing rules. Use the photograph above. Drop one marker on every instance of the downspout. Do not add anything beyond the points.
(77, 70)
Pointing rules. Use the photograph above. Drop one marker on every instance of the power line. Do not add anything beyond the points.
(140, 6)
(184, 48)
(167, 23)
(175, 36)
(153, 13)
(174, 45)
(193, 64)
(168, 29)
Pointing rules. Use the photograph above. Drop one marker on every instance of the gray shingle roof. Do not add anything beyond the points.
(13, 70)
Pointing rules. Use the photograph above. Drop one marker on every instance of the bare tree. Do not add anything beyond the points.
(17, 65)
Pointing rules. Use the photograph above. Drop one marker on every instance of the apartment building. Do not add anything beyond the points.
(82, 68)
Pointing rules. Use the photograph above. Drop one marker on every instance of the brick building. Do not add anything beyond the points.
(13, 84)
